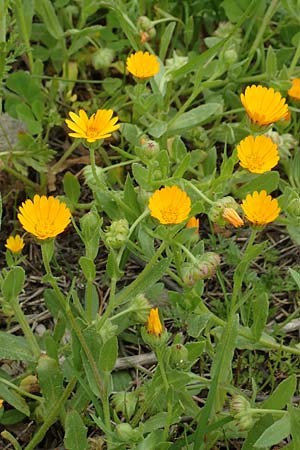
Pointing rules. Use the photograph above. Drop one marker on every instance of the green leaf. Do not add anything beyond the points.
(154, 441)
(23, 84)
(88, 268)
(71, 187)
(266, 181)
(295, 425)
(141, 175)
(234, 10)
(195, 117)
(258, 428)
(14, 348)
(260, 310)
(108, 354)
(130, 198)
(75, 432)
(146, 279)
(51, 382)
(275, 433)
(166, 39)
(271, 63)
(14, 399)
(45, 9)
(282, 394)
(296, 276)
(182, 167)
(13, 283)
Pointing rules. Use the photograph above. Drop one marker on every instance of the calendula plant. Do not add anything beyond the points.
(149, 285)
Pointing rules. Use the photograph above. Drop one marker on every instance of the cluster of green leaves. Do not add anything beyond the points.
(178, 128)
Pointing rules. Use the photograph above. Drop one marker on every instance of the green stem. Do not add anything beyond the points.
(265, 23)
(66, 154)
(39, 435)
(20, 391)
(21, 177)
(294, 60)
(162, 368)
(89, 300)
(238, 284)
(68, 313)
(276, 412)
(26, 328)
(9, 437)
(200, 193)
(190, 255)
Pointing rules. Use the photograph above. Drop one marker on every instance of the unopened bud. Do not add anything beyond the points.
(150, 148)
(30, 384)
(116, 234)
(230, 56)
(216, 211)
(204, 268)
(103, 58)
(232, 217)
(241, 410)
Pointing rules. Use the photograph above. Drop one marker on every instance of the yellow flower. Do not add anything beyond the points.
(170, 205)
(193, 222)
(99, 126)
(44, 217)
(258, 155)
(264, 106)
(154, 325)
(232, 217)
(260, 208)
(294, 91)
(15, 244)
(1, 402)
(142, 64)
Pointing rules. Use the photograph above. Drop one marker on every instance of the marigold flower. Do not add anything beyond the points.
(259, 154)
(264, 105)
(44, 217)
(294, 91)
(193, 222)
(232, 217)
(99, 126)
(142, 64)
(170, 205)
(154, 325)
(15, 243)
(260, 208)
(1, 402)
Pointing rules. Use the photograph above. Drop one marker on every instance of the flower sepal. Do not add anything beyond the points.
(155, 341)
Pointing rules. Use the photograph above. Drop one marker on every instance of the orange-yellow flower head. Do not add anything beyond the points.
(294, 91)
(264, 105)
(170, 205)
(99, 126)
(232, 217)
(154, 325)
(44, 217)
(259, 154)
(260, 208)
(142, 64)
(15, 243)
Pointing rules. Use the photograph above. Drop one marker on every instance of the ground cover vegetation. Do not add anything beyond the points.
(150, 185)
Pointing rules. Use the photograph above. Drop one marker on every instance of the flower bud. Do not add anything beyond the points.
(216, 211)
(241, 410)
(232, 217)
(178, 356)
(154, 325)
(293, 207)
(144, 23)
(140, 308)
(205, 268)
(126, 433)
(149, 148)
(89, 223)
(230, 56)
(117, 233)
(30, 384)
(103, 58)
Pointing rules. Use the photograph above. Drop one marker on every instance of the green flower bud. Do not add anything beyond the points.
(103, 58)
(150, 148)
(205, 268)
(178, 356)
(230, 56)
(154, 341)
(117, 233)
(241, 410)
(140, 309)
(105, 330)
(144, 23)
(215, 213)
(89, 223)
(126, 433)
(293, 208)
